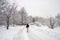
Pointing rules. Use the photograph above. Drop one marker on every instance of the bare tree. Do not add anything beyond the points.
(33, 20)
(2, 8)
(14, 11)
(52, 22)
(58, 19)
(8, 12)
(23, 16)
(29, 19)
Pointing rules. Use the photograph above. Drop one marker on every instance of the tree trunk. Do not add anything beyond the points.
(7, 22)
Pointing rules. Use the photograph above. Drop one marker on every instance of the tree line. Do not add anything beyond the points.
(10, 15)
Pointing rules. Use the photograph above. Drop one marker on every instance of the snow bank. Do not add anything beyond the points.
(47, 33)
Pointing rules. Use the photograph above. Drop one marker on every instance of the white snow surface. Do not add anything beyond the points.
(34, 33)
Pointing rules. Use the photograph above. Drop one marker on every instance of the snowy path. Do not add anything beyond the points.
(33, 34)
(21, 35)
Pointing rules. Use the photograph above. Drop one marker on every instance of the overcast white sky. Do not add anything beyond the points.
(43, 8)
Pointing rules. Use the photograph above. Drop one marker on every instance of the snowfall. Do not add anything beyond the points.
(34, 33)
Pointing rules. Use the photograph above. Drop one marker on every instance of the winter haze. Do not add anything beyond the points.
(43, 8)
(29, 19)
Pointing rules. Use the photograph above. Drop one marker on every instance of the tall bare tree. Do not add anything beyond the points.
(23, 16)
(8, 15)
(8, 12)
(14, 11)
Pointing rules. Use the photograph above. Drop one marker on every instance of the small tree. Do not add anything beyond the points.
(58, 19)
(52, 22)
(33, 20)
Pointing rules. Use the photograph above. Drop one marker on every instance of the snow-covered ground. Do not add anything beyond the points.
(35, 33)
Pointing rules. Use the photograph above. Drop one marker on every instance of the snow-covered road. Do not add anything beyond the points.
(36, 33)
